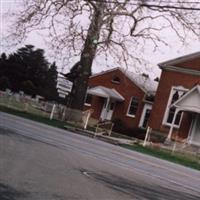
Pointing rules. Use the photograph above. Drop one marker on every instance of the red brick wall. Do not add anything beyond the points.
(126, 88)
(97, 105)
(167, 80)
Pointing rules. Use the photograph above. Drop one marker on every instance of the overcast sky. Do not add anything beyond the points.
(163, 53)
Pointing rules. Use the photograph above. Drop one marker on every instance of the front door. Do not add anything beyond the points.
(195, 139)
(107, 111)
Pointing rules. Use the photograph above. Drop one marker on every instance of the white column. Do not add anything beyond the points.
(52, 111)
(190, 134)
(147, 136)
(106, 108)
(172, 125)
(88, 113)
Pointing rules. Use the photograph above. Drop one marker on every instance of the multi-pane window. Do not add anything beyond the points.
(133, 106)
(176, 93)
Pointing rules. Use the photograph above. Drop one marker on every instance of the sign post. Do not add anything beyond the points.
(64, 87)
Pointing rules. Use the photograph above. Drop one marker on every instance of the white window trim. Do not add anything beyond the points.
(145, 108)
(87, 104)
(127, 114)
(164, 122)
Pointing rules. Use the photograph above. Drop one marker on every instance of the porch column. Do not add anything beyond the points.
(172, 125)
(106, 108)
(189, 137)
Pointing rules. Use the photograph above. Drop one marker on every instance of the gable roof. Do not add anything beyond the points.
(179, 60)
(105, 92)
(188, 64)
(146, 84)
(190, 101)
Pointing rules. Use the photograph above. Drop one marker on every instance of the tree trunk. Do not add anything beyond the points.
(80, 84)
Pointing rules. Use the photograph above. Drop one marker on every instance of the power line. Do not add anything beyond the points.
(158, 5)
(154, 1)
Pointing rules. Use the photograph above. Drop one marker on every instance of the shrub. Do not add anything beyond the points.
(120, 127)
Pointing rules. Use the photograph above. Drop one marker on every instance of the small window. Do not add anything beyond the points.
(88, 100)
(116, 80)
(133, 106)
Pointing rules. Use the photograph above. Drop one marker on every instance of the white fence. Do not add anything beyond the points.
(49, 110)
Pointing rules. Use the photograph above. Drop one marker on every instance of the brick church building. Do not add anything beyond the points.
(176, 109)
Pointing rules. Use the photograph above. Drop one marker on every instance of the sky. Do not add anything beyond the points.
(163, 53)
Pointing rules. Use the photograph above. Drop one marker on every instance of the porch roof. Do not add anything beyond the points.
(105, 92)
(190, 101)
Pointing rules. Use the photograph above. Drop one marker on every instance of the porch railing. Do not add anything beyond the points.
(104, 128)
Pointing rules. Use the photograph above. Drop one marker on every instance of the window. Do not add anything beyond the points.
(146, 118)
(176, 93)
(88, 100)
(172, 110)
(116, 80)
(133, 106)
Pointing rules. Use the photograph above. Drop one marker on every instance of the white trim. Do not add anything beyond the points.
(87, 104)
(132, 116)
(105, 92)
(197, 87)
(193, 130)
(180, 59)
(106, 112)
(164, 122)
(127, 112)
(181, 70)
(189, 138)
(172, 125)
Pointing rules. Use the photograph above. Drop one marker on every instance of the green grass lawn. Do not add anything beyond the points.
(186, 160)
(34, 117)
(182, 159)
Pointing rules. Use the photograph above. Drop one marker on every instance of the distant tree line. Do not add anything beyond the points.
(28, 70)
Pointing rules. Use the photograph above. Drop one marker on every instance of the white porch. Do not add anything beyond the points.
(190, 102)
(111, 96)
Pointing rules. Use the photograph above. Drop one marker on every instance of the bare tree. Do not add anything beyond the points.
(89, 28)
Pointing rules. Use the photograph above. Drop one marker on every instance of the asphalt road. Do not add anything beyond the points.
(45, 163)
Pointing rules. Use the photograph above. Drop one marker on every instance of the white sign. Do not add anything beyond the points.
(60, 91)
(64, 87)
(62, 95)
(64, 84)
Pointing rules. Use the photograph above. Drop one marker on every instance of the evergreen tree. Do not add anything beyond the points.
(27, 69)
(4, 83)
